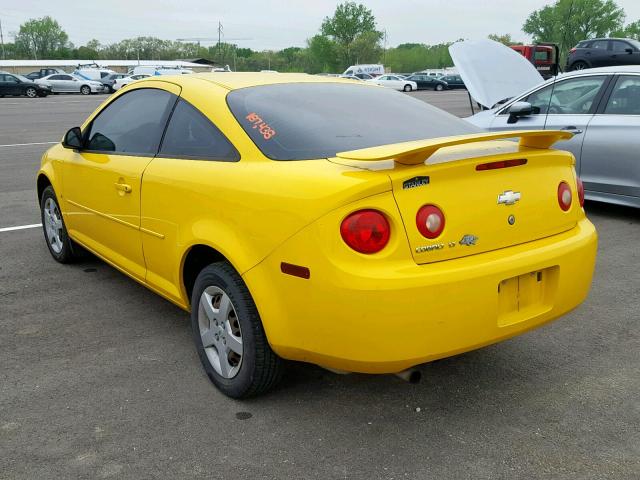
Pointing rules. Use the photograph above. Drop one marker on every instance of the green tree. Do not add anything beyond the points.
(505, 39)
(566, 22)
(42, 38)
(353, 29)
(632, 30)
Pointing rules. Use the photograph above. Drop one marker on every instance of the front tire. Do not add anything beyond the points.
(31, 92)
(55, 232)
(407, 88)
(439, 88)
(85, 90)
(229, 336)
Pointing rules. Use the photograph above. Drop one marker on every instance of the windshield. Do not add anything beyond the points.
(24, 79)
(303, 121)
(635, 43)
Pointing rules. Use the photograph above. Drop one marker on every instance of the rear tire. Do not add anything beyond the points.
(31, 92)
(579, 65)
(229, 336)
(55, 232)
(407, 88)
(85, 90)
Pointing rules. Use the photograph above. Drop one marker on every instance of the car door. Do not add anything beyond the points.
(102, 182)
(610, 163)
(59, 83)
(192, 148)
(567, 104)
(70, 83)
(623, 53)
(572, 107)
(9, 85)
(598, 54)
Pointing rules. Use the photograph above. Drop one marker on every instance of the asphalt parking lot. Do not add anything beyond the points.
(99, 377)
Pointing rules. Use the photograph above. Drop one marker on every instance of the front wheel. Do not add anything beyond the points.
(439, 88)
(31, 92)
(55, 233)
(85, 90)
(407, 88)
(229, 336)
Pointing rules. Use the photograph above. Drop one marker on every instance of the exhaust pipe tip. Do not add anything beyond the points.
(411, 375)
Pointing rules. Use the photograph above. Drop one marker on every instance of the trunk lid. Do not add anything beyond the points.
(484, 209)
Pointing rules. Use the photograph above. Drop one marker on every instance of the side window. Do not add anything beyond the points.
(618, 46)
(10, 79)
(600, 44)
(625, 98)
(132, 124)
(65, 77)
(570, 97)
(104, 74)
(192, 135)
(56, 77)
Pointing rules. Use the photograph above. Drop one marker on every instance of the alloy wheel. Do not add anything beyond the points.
(53, 225)
(220, 331)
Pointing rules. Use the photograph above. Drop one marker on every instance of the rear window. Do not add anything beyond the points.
(303, 121)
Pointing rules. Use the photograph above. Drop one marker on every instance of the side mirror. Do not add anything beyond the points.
(519, 110)
(73, 139)
(628, 50)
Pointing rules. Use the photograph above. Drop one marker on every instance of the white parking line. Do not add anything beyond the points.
(20, 227)
(26, 144)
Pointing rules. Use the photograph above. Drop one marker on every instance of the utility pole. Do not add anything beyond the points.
(384, 48)
(2, 40)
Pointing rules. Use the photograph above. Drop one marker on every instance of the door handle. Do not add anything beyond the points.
(123, 187)
(574, 130)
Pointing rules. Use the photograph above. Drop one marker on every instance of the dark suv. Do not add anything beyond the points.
(604, 52)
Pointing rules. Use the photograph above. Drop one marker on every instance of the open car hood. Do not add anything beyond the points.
(492, 71)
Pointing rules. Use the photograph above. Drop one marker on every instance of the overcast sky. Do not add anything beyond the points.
(275, 24)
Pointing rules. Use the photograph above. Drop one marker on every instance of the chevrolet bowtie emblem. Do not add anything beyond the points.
(508, 198)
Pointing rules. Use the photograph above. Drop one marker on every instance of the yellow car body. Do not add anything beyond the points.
(159, 219)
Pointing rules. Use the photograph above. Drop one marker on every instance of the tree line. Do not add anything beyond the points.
(350, 36)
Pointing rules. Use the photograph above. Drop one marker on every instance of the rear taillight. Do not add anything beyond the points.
(580, 192)
(572, 50)
(430, 221)
(564, 196)
(366, 231)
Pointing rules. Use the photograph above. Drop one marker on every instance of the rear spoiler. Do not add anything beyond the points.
(417, 151)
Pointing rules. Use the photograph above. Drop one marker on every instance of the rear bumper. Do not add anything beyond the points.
(383, 320)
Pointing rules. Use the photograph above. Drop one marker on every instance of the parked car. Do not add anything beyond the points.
(17, 85)
(363, 76)
(67, 83)
(351, 77)
(110, 80)
(121, 82)
(160, 70)
(427, 82)
(453, 81)
(180, 185)
(395, 82)
(601, 107)
(43, 72)
(604, 52)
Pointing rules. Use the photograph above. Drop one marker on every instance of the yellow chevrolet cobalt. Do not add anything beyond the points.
(320, 220)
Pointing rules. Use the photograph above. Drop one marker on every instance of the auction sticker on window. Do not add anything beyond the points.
(259, 124)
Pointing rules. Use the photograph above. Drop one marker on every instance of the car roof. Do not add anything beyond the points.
(236, 80)
(608, 70)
